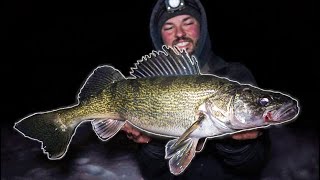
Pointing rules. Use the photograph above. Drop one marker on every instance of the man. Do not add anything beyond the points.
(184, 24)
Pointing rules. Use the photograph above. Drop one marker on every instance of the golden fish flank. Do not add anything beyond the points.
(167, 97)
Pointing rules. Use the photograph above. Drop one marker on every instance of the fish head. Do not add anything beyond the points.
(253, 107)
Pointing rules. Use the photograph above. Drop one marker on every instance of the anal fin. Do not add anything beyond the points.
(107, 128)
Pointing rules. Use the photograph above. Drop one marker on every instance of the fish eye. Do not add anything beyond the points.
(264, 101)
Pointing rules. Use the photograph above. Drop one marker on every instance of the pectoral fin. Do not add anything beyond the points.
(107, 128)
(180, 155)
(193, 127)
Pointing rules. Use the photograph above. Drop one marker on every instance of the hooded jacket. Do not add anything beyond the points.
(208, 61)
(244, 156)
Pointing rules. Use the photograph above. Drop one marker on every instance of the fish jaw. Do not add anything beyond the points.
(286, 113)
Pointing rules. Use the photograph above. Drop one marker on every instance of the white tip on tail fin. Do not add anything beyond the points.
(54, 136)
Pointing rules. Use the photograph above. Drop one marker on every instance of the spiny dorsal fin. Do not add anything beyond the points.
(169, 62)
(98, 79)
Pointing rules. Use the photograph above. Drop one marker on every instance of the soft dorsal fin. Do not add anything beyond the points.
(169, 62)
(98, 79)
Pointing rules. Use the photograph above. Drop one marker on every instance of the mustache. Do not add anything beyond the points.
(176, 41)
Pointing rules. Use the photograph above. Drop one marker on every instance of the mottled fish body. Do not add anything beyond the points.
(166, 97)
(165, 106)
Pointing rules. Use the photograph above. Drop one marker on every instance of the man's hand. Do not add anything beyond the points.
(135, 135)
(253, 134)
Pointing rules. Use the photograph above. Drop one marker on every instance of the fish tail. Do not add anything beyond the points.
(47, 128)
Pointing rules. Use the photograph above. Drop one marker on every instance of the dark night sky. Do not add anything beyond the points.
(52, 46)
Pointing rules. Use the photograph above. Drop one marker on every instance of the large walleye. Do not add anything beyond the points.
(166, 96)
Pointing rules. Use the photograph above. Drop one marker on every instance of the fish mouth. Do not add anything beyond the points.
(286, 112)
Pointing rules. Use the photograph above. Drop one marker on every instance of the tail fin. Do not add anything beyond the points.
(46, 128)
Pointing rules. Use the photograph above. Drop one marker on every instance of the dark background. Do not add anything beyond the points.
(50, 47)
(53, 46)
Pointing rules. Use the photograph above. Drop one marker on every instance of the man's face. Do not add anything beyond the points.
(182, 31)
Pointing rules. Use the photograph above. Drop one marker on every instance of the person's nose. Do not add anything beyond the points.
(180, 32)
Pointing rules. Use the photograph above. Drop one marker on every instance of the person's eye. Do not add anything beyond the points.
(264, 101)
(189, 23)
(166, 28)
